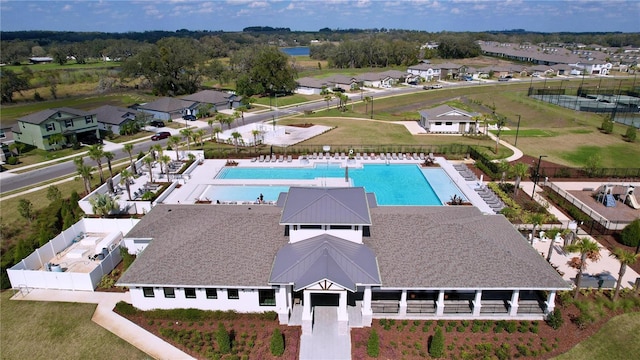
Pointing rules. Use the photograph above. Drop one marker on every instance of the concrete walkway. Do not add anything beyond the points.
(325, 342)
(105, 317)
(517, 153)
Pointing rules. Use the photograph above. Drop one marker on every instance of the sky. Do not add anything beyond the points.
(312, 15)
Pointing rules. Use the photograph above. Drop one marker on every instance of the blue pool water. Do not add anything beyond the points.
(392, 184)
(243, 193)
(296, 51)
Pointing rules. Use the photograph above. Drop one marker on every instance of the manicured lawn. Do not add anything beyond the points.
(68, 66)
(617, 155)
(617, 339)
(526, 133)
(286, 100)
(48, 330)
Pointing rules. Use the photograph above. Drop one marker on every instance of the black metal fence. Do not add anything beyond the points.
(573, 173)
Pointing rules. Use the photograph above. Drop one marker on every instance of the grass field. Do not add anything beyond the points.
(68, 66)
(48, 330)
(617, 339)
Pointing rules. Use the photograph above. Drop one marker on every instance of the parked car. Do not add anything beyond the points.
(503, 79)
(338, 89)
(160, 135)
(157, 123)
(189, 117)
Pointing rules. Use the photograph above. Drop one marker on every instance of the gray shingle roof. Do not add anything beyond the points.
(310, 82)
(210, 97)
(455, 247)
(342, 262)
(319, 206)
(41, 116)
(210, 245)
(167, 104)
(114, 115)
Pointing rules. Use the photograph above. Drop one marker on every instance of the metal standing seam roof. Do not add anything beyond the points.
(319, 206)
(325, 257)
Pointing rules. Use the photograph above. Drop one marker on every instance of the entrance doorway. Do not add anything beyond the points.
(325, 299)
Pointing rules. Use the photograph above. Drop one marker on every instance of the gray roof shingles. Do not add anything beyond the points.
(42, 116)
(326, 206)
(455, 247)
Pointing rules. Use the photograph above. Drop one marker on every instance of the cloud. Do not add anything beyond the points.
(455, 10)
(67, 8)
(259, 4)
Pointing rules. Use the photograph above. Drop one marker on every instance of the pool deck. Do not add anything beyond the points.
(194, 186)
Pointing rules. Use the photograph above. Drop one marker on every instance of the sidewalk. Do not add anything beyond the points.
(105, 317)
(517, 154)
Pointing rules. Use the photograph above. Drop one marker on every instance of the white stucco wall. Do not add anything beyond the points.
(303, 234)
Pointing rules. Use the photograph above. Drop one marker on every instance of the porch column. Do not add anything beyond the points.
(476, 303)
(283, 306)
(367, 313)
(403, 303)
(307, 316)
(343, 316)
(513, 309)
(551, 302)
(440, 303)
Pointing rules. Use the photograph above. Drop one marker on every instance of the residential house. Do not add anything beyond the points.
(311, 86)
(426, 71)
(333, 247)
(398, 76)
(451, 71)
(167, 108)
(376, 80)
(344, 82)
(591, 67)
(216, 100)
(447, 119)
(74, 125)
(112, 118)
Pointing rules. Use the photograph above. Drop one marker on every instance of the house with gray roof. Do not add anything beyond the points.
(445, 119)
(311, 86)
(112, 118)
(167, 108)
(426, 71)
(57, 127)
(332, 247)
(217, 100)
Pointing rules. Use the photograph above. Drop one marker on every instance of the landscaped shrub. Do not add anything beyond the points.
(511, 327)
(630, 134)
(373, 344)
(554, 319)
(436, 347)
(607, 125)
(503, 352)
(127, 259)
(223, 339)
(124, 308)
(630, 235)
(12, 160)
(277, 343)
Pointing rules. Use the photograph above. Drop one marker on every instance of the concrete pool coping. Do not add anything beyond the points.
(204, 175)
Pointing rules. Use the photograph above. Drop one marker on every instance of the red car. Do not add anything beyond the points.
(160, 135)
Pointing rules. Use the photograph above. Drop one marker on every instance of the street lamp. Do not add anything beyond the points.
(536, 176)
(326, 150)
(371, 107)
(515, 143)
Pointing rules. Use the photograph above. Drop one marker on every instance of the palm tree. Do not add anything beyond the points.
(519, 170)
(125, 177)
(236, 115)
(366, 100)
(328, 98)
(187, 133)
(249, 101)
(217, 132)
(55, 140)
(103, 204)
(96, 153)
(626, 258)
(148, 160)
(84, 171)
(536, 219)
(210, 123)
(165, 160)
(236, 138)
(109, 156)
(174, 141)
(588, 249)
(128, 148)
(255, 134)
(222, 119)
(242, 110)
(229, 121)
(200, 135)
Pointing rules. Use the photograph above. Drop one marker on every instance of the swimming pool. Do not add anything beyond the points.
(406, 184)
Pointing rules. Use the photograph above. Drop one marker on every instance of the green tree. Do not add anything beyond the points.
(593, 164)
(85, 172)
(263, 69)
(255, 133)
(536, 219)
(436, 347)
(55, 140)
(327, 99)
(187, 133)
(630, 235)
(148, 161)
(109, 156)
(174, 142)
(373, 344)
(217, 131)
(242, 110)
(125, 178)
(277, 343)
(199, 134)
(128, 148)
(10, 82)
(588, 249)
(54, 194)
(630, 134)
(25, 208)
(223, 339)
(210, 123)
(103, 204)
(626, 258)
(236, 139)
(607, 125)
(173, 66)
(164, 164)
(519, 170)
(96, 153)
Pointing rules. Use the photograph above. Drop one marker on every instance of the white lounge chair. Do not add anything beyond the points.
(415, 156)
(274, 158)
(382, 156)
(342, 156)
(421, 156)
(289, 158)
(254, 159)
(281, 158)
(358, 156)
(314, 156)
(267, 158)
(394, 156)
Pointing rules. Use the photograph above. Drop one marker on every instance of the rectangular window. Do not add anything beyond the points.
(211, 293)
(51, 126)
(233, 294)
(190, 293)
(311, 227)
(267, 297)
(340, 227)
(68, 123)
(148, 292)
(438, 123)
(88, 119)
(169, 293)
(448, 123)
